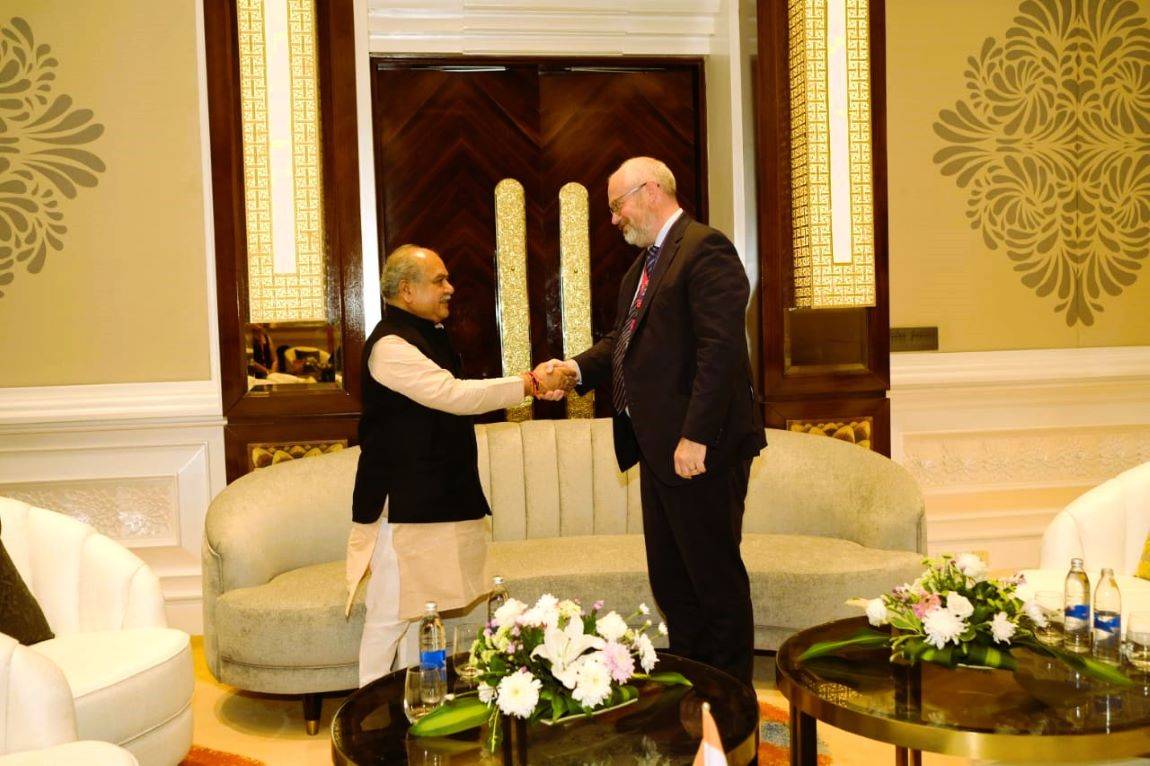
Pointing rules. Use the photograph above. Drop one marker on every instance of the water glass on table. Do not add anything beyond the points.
(423, 690)
(1138, 636)
(463, 636)
(1051, 604)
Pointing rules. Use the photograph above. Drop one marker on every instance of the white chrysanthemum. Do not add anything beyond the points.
(1036, 613)
(959, 606)
(662, 629)
(486, 692)
(507, 613)
(611, 626)
(518, 693)
(876, 612)
(569, 609)
(547, 601)
(942, 626)
(647, 656)
(1002, 628)
(970, 565)
(594, 684)
(538, 617)
(644, 609)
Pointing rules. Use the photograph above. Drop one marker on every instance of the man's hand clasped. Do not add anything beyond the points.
(550, 380)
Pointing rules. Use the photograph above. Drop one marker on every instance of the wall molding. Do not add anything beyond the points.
(553, 27)
(197, 400)
(1000, 441)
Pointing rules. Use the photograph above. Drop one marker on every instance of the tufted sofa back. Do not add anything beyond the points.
(1106, 526)
(83, 580)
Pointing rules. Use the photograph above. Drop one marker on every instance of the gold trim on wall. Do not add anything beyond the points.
(512, 309)
(575, 284)
(282, 286)
(263, 454)
(831, 178)
(857, 431)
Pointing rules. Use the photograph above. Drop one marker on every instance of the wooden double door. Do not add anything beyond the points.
(447, 131)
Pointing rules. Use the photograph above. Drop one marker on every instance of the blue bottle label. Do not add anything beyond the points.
(1078, 612)
(1110, 623)
(436, 659)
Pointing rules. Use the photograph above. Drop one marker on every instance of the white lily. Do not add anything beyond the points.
(563, 647)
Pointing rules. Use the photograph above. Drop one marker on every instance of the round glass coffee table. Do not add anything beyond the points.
(663, 726)
(1043, 712)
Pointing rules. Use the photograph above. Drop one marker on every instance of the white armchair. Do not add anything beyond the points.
(1105, 527)
(37, 717)
(130, 676)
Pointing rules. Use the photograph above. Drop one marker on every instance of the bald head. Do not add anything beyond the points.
(639, 169)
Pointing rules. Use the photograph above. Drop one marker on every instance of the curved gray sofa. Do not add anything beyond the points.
(825, 521)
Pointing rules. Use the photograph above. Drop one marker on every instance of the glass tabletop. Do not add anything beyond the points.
(1042, 710)
(663, 727)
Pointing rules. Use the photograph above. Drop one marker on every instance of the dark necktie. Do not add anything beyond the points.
(618, 389)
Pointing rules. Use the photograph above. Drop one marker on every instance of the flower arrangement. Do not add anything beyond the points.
(550, 661)
(953, 614)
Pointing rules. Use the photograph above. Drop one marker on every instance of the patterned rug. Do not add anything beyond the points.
(204, 756)
(775, 732)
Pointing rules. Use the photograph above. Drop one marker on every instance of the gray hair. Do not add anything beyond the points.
(639, 169)
(402, 265)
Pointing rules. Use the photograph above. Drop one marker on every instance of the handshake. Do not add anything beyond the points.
(550, 380)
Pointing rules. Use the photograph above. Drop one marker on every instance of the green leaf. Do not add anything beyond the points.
(558, 707)
(668, 679)
(459, 714)
(1088, 665)
(864, 638)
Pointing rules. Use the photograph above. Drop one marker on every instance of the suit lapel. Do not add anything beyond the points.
(667, 255)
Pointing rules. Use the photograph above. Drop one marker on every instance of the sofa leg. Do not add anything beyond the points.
(312, 707)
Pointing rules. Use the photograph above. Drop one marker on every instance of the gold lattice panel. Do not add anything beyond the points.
(575, 284)
(263, 454)
(511, 280)
(856, 431)
(820, 281)
(301, 293)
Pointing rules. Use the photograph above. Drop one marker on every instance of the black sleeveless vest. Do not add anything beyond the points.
(424, 460)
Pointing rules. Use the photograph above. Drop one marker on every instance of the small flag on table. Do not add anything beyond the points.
(711, 748)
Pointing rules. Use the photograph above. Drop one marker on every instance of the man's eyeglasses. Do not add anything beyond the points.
(617, 204)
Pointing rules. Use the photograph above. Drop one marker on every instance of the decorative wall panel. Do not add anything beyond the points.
(1049, 145)
(134, 511)
(511, 284)
(575, 284)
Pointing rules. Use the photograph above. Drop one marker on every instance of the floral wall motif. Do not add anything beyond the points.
(42, 162)
(1051, 143)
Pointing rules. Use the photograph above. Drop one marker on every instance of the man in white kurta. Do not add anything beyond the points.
(411, 563)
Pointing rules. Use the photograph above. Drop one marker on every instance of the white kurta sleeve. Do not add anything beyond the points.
(403, 368)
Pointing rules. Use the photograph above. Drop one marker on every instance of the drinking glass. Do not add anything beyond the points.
(1138, 634)
(1051, 604)
(423, 689)
(463, 637)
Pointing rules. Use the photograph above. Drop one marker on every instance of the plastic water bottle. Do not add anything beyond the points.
(1108, 619)
(432, 639)
(1076, 627)
(497, 598)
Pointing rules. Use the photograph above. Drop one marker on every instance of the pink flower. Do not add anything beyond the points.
(925, 604)
(620, 664)
(597, 605)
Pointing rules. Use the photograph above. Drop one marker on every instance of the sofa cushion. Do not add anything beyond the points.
(82, 753)
(271, 625)
(125, 682)
(798, 581)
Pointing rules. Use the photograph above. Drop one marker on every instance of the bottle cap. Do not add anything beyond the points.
(497, 580)
(1107, 572)
(1076, 562)
(431, 606)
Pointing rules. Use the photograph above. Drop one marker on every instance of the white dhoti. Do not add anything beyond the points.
(410, 565)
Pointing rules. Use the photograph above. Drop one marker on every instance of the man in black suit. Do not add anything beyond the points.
(680, 378)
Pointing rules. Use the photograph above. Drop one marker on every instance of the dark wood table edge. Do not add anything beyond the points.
(910, 739)
(744, 752)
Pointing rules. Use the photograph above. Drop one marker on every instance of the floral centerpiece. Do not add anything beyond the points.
(550, 661)
(953, 614)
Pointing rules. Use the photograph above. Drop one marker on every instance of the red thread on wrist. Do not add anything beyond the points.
(535, 386)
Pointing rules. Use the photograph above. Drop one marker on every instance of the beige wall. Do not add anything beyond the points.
(942, 272)
(126, 298)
